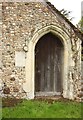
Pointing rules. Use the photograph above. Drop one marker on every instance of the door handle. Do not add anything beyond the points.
(38, 71)
(48, 68)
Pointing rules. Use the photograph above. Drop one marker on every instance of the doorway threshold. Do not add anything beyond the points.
(47, 93)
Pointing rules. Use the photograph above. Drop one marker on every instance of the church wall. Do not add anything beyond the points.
(20, 22)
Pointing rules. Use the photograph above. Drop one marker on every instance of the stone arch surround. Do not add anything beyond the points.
(29, 86)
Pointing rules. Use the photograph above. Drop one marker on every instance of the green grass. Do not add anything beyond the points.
(43, 109)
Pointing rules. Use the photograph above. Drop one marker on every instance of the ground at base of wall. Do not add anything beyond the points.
(11, 102)
(39, 108)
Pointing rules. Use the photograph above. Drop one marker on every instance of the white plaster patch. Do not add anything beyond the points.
(19, 59)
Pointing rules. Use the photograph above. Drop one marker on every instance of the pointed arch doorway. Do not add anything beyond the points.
(49, 65)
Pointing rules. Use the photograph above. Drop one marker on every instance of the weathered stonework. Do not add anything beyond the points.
(23, 25)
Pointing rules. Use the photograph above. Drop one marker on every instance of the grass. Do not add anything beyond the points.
(43, 109)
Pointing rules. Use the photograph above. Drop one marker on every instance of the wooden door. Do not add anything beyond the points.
(48, 64)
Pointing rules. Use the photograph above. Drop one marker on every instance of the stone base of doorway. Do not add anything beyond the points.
(48, 96)
(51, 99)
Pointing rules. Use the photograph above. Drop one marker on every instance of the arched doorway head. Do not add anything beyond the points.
(49, 65)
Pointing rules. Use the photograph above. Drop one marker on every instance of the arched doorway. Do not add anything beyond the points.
(49, 65)
(29, 84)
